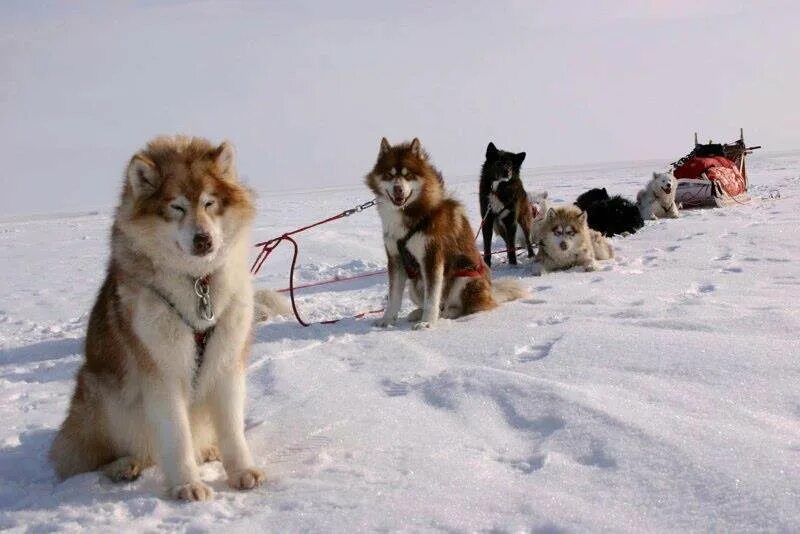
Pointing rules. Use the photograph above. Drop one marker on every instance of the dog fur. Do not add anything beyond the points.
(141, 395)
(270, 304)
(657, 199)
(540, 204)
(609, 215)
(504, 204)
(424, 226)
(567, 241)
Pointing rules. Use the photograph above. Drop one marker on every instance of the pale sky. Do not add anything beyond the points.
(305, 90)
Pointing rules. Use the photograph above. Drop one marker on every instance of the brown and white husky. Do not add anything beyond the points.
(168, 338)
(429, 241)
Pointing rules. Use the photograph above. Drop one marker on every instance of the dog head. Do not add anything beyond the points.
(663, 184)
(404, 177)
(539, 204)
(564, 229)
(591, 196)
(182, 204)
(501, 166)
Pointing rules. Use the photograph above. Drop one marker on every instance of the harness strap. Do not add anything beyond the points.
(475, 272)
(201, 336)
(410, 263)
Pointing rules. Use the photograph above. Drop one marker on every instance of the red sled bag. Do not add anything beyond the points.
(709, 181)
(713, 174)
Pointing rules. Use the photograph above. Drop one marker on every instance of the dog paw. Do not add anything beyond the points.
(209, 454)
(414, 316)
(193, 491)
(125, 469)
(589, 267)
(421, 325)
(383, 322)
(246, 479)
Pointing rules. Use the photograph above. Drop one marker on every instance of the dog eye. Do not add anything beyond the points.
(178, 208)
(210, 203)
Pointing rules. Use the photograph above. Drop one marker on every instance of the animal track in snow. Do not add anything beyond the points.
(598, 457)
(549, 321)
(532, 353)
(698, 289)
(395, 389)
(525, 465)
(732, 270)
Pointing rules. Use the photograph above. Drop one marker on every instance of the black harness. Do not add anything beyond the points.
(410, 263)
(470, 269)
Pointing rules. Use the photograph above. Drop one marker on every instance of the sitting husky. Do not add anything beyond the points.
(504, 203)
(657, 199)
(168, 337)
(428, 240)
(609, 215)
(567, 241)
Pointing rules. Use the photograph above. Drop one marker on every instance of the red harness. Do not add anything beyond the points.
(412, 269)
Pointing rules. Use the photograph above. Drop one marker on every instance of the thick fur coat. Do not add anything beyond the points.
(568, 242)
(657, 199)
(428, 241)
(505, 207)
(163, 380)
(610, 215)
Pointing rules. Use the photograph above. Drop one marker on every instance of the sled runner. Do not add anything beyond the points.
(713, 174)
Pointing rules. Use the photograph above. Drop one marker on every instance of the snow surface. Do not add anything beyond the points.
(660, 393)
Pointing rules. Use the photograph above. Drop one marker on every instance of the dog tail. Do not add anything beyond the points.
(507, 289)
(269, 304)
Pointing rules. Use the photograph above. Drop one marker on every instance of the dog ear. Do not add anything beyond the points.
(416, 149)
(143, 176)
(519, 158)
(491, 152)
(385, 146)
(544, 194)
(582, 218)
(224, 157)
(605, 192)
(551, 214)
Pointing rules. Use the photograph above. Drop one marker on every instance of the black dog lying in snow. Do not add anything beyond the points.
(609, 215)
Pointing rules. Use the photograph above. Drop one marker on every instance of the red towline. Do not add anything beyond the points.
(270, 245)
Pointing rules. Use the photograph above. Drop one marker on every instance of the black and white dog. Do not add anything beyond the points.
(609, 215)
(504, 203)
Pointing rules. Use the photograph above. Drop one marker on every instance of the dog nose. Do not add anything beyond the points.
(398, 191)
(563, 245)
(201, 244)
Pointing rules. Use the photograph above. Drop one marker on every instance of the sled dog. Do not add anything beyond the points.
(540, 204)
(163, 379)
(429, 241)
(503, 202)
(567, 241)
(657, 199)
(609, 215)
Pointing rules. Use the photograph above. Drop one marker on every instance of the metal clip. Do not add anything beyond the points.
(358, 209)
(204, 306)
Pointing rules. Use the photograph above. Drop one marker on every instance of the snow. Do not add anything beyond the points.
(657, 394)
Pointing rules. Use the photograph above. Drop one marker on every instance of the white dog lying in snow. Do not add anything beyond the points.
(657, 199)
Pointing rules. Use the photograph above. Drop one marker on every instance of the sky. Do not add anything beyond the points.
(305, 90)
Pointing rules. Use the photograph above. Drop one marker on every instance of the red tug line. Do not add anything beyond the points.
(270, 245)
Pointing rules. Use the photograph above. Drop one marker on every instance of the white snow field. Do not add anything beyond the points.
(659, 394)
